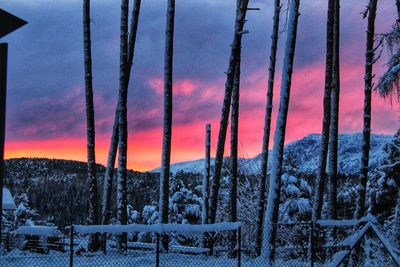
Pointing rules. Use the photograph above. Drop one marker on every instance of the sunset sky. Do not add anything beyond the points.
(46, 101)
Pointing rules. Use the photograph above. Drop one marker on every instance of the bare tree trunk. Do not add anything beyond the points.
(267, 128)
(206, 185)
(369, 58)
(123, 128)
(206, 176)
(334, 125)
(112, 152)
(272, 212)
(166, 147)
(398, 9)
(235, 51)
(93, 197)
(234, 154)
(323, 154)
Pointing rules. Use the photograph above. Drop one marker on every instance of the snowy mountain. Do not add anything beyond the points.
(307, 153)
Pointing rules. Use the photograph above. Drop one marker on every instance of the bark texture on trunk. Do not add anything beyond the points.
(167, 127)
(233, 194)
(323, 153)
(234, 143)
(112, 152)
(206, 176)
(235, 51)
(334, 125)
(272, 212)
(369, 61)
(91, 164)
(123, 127)
(267, 127)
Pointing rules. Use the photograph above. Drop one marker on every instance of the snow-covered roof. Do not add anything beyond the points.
(8, 202)
(38, 230)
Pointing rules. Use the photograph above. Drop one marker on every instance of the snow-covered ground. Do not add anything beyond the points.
(134, 258)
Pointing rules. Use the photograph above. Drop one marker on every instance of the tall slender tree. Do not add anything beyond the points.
(398, 9)
(206, 176)
(267, 126)
(166, 146)
(233, 195)
(235, 51)
(112, 153)
(91, 164)
(272, 211)
(334, 125)
(369, 61)
(206, 185)
(123, 127)
(323, 153)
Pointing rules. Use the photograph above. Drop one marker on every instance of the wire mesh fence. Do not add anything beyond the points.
(334, 243)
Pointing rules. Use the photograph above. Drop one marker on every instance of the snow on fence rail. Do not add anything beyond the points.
(157, 228)
(39, 230)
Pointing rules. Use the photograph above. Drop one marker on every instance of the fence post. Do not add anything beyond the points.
(312, 254)
(71, 247)
(158, 250)
(103, 239)
(239, 244)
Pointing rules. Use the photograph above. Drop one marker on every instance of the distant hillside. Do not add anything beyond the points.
(307, 153)
(58, 188)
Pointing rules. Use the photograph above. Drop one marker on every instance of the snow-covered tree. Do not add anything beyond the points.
(24, 215)
(271, 215)
(267, 125)
(112, 153)
(384, 188)
(389, 83)
(123, 127)
(295, 200)
(184, 207)
(149, 216)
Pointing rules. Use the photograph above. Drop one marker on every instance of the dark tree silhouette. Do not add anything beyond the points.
(334, 125)
(235, 52)
(91, 164)
(369, 61)
(319, 188)
(167, 127)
